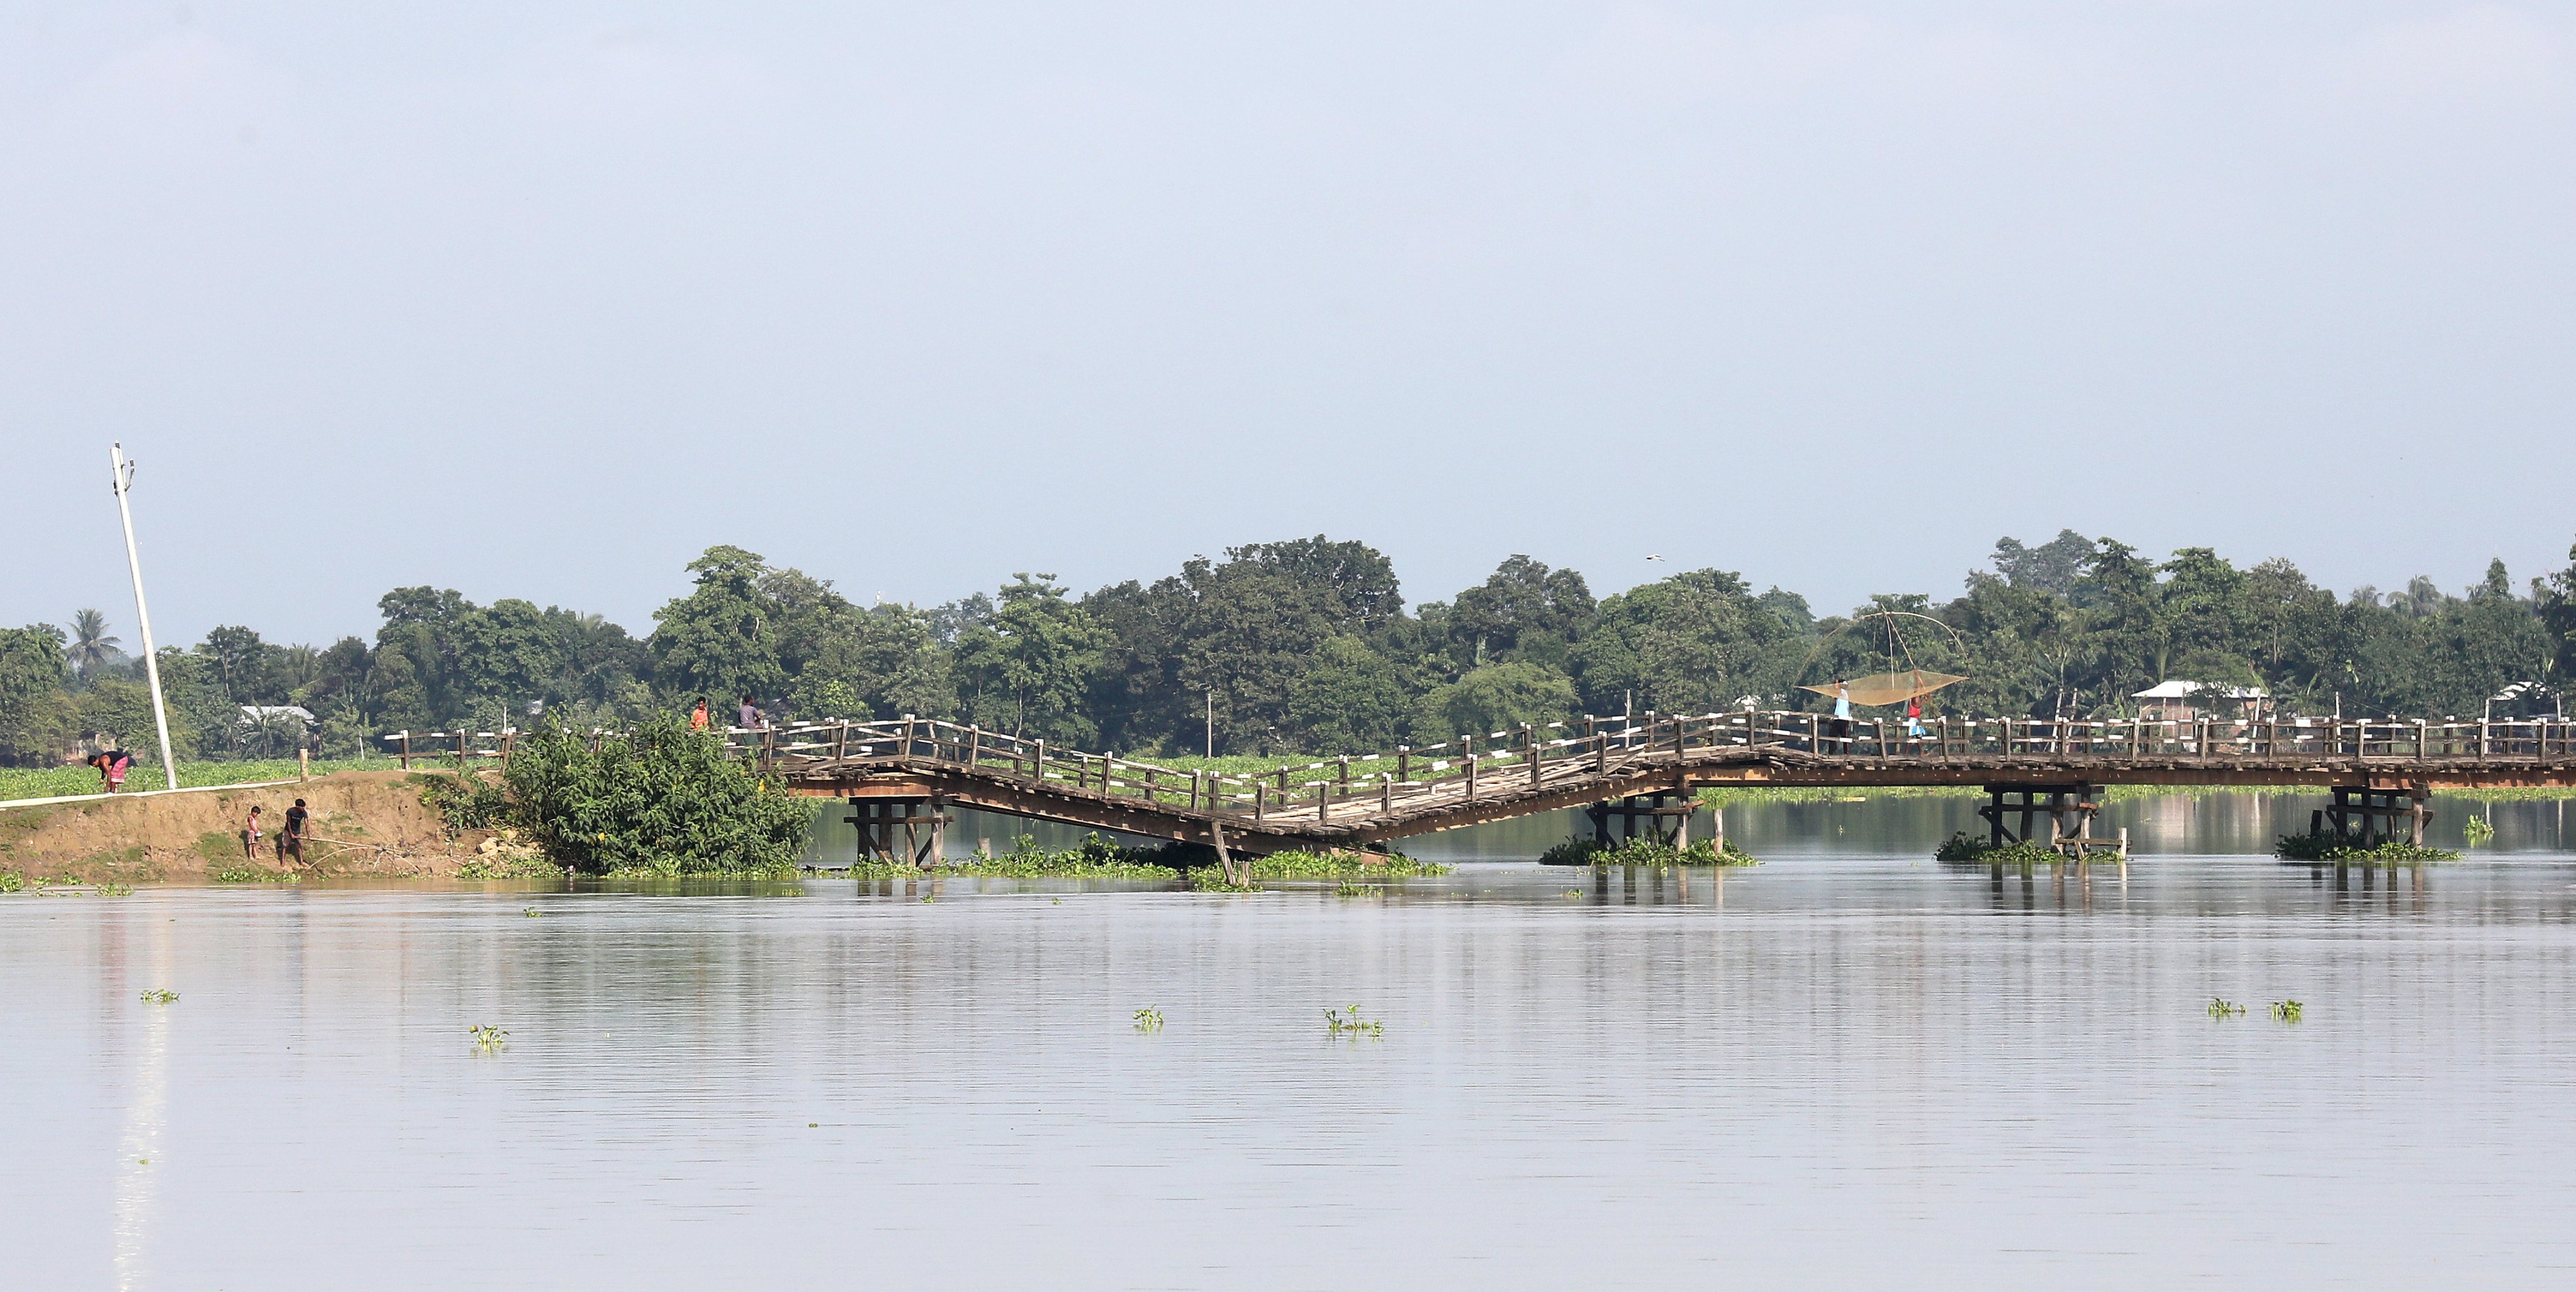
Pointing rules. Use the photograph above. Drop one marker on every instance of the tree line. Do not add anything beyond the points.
(1308, 646)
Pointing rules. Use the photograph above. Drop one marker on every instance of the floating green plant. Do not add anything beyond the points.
(927, 899)
(1579, 851)
(2479, 830)
(252, 875)
(2286, 1011)
(1352, 888)
(109, 889)
(1349, 1023)
(2221, 1007)
(2323, 846)
(488, 1039)
(531, 912)
(1149, 1019)
(1964, 846)
(159, 996)
(11, 881)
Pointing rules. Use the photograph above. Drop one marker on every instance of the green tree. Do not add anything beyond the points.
(1524, 610)
(1497, 697)
(92, 646)
(123, 710)
(1029, 670)
(722, 638)
(36, 713)
(1349, 700)
(402, 702)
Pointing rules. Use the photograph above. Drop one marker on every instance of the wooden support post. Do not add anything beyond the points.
(303, 764)
(1404, 762)
(1471, 776)
(1385, 792)
(405, 737)
(1225, 859)
(938, 832)
(1323, 801)
(1260, 793)
(1529, 741)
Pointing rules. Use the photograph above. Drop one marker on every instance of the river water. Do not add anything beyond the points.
(1851, 1067)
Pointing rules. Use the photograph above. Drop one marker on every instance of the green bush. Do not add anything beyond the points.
(659, 800)
(464, 802)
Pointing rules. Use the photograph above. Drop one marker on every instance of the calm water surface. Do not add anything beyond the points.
(1848, 1068)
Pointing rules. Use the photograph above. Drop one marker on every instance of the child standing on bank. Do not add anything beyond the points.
(250, 835)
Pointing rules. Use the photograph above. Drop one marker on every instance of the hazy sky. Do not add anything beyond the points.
(540, 300)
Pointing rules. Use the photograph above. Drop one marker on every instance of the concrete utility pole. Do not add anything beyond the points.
(121, 470)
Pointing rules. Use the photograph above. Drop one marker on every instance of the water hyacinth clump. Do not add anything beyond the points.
(159, 996)
(2479, 830)
(1579, 851)
(2221, 1007)
(1964, 846)
(2287, 1011)
(1149, 1019)
(1349, 1023)
(488, 1039)
(2323, 846)
(1298, 863)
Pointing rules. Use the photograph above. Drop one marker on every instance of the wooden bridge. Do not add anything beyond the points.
(902, 775)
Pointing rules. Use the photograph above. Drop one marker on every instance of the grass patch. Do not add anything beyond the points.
(2323, 847)
(11, 881)
(58, 782)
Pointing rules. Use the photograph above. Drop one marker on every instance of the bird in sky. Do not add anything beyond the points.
(1655, 557)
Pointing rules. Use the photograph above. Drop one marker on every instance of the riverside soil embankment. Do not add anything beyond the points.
(364, 824)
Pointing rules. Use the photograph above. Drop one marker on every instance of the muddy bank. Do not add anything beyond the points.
(364, 824)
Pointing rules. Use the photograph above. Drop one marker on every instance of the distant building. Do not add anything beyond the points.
(2179, 701)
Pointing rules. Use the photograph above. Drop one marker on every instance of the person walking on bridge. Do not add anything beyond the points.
(1842, 717)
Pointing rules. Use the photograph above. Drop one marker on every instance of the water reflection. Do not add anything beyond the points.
(1851, 1066)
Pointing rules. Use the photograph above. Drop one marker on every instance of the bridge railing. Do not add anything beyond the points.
(1530, 758)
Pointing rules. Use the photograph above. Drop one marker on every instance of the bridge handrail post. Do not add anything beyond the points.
(1385, 792)
(1404, 762)
(1471, 776)
(1323, 801)
(1260, 792)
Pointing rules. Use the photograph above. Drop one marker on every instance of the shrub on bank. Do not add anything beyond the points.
(658, 800)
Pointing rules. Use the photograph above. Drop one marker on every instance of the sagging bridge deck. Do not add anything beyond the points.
(1355, 802)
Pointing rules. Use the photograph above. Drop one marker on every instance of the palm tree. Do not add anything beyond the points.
(91, 645)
